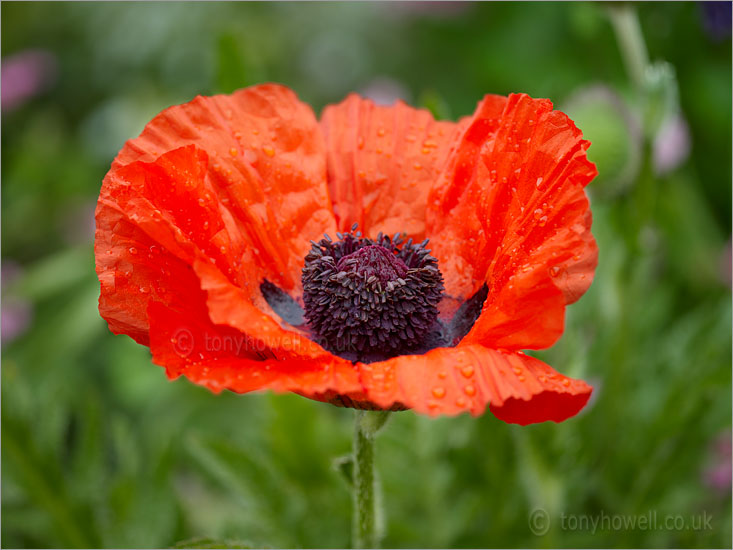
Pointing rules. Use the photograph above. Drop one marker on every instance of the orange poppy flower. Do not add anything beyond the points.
(210, 241)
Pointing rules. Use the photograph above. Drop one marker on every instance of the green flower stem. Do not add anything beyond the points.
(631, 41)
(366, 514)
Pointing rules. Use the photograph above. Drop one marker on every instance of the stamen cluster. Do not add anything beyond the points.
(370, 299)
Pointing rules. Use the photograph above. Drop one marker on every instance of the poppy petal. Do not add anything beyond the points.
(222, 358)
(267, 168)
(510, 211)
(170, 204)
(133, 269)
(381, 163)
(519, 389)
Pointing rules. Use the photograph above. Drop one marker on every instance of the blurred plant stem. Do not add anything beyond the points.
(654, 86)
(628, 33)
(366, 512)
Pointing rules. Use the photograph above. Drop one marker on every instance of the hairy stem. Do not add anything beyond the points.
(366, 517)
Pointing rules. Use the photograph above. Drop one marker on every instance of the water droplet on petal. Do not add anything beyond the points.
(269, 151)
(439, 392)
(469, 390)
(467, 371)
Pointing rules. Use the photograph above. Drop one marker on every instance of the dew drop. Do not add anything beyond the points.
(441, 375)
(538, 183)
(566, 382)
(380, 132)
(439, 392)
(269, 151)
(233, 151)
(467, 371)
(554, 271)
(460, 402)
(132, 250)
(469, 390)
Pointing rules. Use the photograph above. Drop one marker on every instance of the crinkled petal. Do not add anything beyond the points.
(267, 169)
(382, 162)
(173, 214)
(511, 211)
(518, 388)
(134, 269)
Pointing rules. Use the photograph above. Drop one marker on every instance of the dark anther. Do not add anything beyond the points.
(370, 299)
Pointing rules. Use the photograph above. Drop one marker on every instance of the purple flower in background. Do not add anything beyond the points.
(24, 75)
(671, 144)
(716, 18)
(719, 474)
(16, 312)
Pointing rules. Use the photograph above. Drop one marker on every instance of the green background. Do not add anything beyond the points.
(100, 449)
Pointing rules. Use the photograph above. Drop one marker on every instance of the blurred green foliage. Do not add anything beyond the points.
(100, 450)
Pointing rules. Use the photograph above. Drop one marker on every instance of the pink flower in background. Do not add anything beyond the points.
(24, 75)
(671, 145)
(16, 312)
(719, 474)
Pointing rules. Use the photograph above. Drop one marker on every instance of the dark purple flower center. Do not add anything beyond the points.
(371, 299)
(373, 261)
